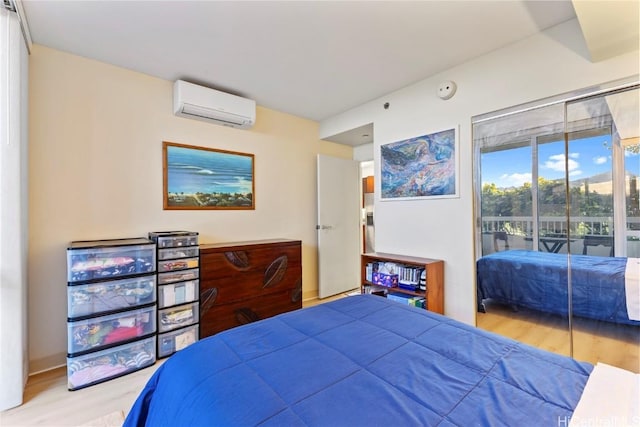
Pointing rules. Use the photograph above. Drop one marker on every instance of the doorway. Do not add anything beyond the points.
(368, 222)
(361, 139)
(338, 225)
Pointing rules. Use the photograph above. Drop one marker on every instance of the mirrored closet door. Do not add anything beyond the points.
(557, 223)
(602, 135)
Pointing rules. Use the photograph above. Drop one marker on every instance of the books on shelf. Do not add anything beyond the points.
(407, 299)
(387, 274)
(414, 277)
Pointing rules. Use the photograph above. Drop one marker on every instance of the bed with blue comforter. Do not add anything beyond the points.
(360, 361)
(538, 280)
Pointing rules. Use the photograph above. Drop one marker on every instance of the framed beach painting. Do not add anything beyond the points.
(206, 178)
(423, 167)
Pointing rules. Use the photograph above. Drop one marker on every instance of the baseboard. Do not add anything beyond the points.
(309, 295)
(38, 366)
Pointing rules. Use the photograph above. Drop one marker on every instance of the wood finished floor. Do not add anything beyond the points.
(594, 341)
(47, 402)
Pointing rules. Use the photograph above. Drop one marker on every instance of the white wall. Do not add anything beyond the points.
(363, 152)
(546, 64)
(96, 135)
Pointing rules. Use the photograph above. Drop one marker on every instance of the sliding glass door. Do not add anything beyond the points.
(558, 213)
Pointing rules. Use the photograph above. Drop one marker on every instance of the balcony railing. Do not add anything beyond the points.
(520, 232)
(578, 225)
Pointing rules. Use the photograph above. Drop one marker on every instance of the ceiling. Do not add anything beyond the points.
(312, 59)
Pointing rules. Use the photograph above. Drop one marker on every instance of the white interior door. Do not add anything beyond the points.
(338, 225)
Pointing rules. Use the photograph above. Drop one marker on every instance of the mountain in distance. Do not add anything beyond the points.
(602, 182)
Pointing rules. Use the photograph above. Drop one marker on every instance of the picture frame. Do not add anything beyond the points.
(201, 178)
(422, 167)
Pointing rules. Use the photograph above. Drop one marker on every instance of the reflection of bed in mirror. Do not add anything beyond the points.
(603, 288)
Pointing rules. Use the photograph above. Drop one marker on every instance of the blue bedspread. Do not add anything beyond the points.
(538, 280)
(360, 361)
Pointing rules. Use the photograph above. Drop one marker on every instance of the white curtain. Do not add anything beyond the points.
(13, 210)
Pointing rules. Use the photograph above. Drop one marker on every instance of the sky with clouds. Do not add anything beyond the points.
(587, 157)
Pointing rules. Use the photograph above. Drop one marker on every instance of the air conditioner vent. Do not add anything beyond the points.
(202, 103)
(205, 113)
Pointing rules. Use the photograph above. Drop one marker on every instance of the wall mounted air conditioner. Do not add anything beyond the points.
(202, 103)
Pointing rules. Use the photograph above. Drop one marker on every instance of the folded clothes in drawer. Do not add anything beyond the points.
(174, 253)
(177, 317)
(99, 332)
(177, 264)
(103, 297)
(174, 239)
(94, 368)
(107, 259)
(178, 276)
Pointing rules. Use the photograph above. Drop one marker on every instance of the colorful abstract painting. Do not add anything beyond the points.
(421, 167)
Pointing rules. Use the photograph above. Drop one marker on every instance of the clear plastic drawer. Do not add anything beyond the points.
(174, 239)
(103, 331)
(174, 341)
(177, 264)
(178, 293)
(102, 297)
(107, 259)
(174, 253)
(94, 368)
(178, 317)
(178, 276)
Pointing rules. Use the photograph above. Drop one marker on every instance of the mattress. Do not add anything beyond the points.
(538, 280)
(360, 361)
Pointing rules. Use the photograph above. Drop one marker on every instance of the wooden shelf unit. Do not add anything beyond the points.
(434, 277)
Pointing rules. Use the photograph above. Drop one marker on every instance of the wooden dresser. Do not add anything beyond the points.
(242, 282)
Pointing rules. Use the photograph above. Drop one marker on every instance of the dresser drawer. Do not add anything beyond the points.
(250, 286)
(265, 262)
(241, 274)
(219, 317)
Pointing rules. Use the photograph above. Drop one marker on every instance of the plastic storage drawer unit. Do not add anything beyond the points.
(99, 332)
(107, 259)
(114, 295)
(177, 317)
(96, 367)
(178, 293)
(174, 239)
(176, 340)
